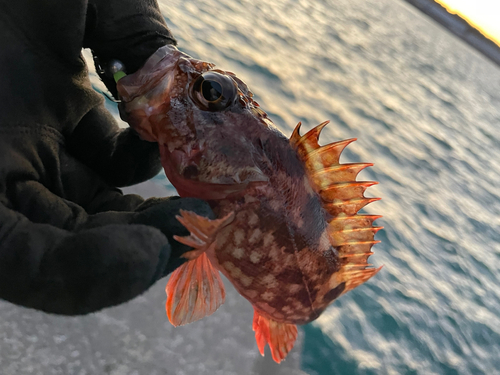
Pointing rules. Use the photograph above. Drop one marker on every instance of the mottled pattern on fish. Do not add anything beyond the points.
(278, 242)
(288, 235)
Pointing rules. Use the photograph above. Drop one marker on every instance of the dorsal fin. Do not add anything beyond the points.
(342, 197)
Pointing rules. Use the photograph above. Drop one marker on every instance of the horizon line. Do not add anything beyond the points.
(471, 23)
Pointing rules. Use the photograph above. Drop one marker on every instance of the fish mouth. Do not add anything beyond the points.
(185, 181)
(160, 65)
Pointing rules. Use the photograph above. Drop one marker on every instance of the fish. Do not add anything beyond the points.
(287, 235)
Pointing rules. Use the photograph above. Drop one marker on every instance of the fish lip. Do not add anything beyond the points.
(162, 63)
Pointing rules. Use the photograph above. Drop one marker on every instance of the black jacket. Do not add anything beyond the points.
(70, 242)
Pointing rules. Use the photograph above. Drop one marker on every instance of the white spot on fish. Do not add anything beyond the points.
(246, 280)
(287, 309)
(275, 205)
(274, 252)
(268, 309)
(294, 288)
(222, 237)
(324, 241)
(255, 236)
(253, 219)
(289, 259)
(270, 281)
(268, 296)
(300, 223)
(251, 293)
(234, 271)
(297, 305)
(239, 235)
(255, 256)
(268, 239)
(238, 252)
(228, 266)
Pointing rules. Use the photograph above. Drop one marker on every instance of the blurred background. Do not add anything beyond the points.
(425, 107)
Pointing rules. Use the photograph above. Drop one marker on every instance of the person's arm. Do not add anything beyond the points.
(44, 75)
(119, 156)
(130, 31)
(70, 243)
(99, 261)
(58, 271)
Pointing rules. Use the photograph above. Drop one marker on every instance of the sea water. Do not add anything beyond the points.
(425, 108)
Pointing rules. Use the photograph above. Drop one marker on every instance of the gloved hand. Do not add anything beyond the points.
(160, 213)
(70, 241)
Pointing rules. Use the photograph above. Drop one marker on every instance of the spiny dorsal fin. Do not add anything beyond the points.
(342, 197)
(309, 141)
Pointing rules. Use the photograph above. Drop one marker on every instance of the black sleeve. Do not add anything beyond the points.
(119, 156)
(127, 30)
(56, 257)
(130, 31)
(45, 79)
(69, 273)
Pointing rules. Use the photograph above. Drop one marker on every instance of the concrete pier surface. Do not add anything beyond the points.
(137, 339)
(460, 27)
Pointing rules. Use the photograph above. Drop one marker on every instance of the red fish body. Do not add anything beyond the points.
(288, 235)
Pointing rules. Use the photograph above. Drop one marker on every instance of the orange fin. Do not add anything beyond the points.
(202, 231)
(194, 290)
(342, 197)
(334, 182)
(357, 275)
(280, 336)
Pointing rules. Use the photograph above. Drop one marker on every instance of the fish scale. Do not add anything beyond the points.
(288, 234)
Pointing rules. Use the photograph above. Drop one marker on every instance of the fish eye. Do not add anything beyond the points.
(213, 91)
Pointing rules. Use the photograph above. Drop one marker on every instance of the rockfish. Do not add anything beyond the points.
(288, 235)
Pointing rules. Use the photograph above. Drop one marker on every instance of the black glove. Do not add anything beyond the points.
(70, 242)
(158, 212)
(117, 30)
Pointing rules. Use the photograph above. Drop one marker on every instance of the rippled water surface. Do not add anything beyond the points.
(426, 110)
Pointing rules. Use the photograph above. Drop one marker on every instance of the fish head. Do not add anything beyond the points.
(208, 127)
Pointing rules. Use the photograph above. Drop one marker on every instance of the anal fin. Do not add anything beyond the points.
(194, 290)
(280, 336)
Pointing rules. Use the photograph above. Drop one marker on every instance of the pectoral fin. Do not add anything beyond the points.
(202, 231)
(280, 336)
(194, 290)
